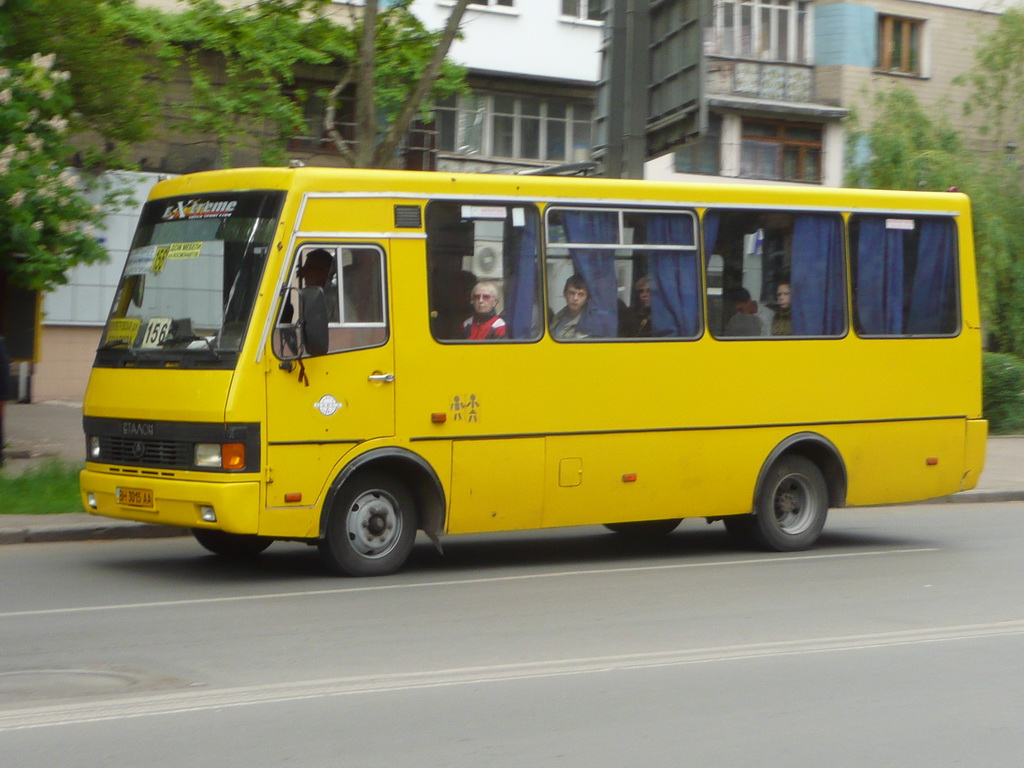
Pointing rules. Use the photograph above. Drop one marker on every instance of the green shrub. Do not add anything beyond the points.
(1003, 393)
(50, 488)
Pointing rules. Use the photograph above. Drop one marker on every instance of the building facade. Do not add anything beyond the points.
(782, 75)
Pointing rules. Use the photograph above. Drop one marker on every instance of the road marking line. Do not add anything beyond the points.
(202, 700)
(768, 560)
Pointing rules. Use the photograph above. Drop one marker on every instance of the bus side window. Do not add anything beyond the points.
(905, 275)
(776, 274)
(639, 269)
(489, 249)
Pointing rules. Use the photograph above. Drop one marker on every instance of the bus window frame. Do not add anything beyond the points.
(956, 278)
(532, 208)
(845, 290)
(623, 251)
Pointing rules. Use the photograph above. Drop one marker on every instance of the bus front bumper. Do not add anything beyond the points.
(227, 506)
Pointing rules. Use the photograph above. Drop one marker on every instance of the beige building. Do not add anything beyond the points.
(782, 75)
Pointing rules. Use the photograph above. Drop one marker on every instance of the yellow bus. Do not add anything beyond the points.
(347, 357)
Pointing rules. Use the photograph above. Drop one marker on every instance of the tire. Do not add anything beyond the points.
(791, 506)
(644, 529)
(370, 528)
(236, 546)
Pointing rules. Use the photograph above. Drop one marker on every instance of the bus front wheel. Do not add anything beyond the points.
(371, 527)
(791, 506)
(236, 546)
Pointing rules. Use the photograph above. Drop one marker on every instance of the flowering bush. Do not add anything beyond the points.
(46, 223)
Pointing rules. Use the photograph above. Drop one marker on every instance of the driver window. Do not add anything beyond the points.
(352, 278)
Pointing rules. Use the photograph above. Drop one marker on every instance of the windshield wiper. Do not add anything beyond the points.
(116, 344)
(175, 340)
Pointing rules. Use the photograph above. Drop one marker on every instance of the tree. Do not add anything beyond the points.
(394, 50)
(904, 148)
(46, 220)
(113, 103)
(997, 81)
(241, 61)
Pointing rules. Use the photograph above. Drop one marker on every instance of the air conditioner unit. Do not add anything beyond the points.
(487, 261)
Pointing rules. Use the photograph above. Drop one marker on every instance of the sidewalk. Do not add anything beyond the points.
(40, 432)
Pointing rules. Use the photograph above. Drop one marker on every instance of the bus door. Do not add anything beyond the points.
(320, 407)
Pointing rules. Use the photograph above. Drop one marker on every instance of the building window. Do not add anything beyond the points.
(514, 127)
(592, 10)
(899, 44)
(505, 3)
(702, 155)
(781, 151)
(769, 30)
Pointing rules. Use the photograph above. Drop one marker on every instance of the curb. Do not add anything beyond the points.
(109, 530)
(100, 531)
(975, 497)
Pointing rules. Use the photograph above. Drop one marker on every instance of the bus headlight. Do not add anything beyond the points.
(94, 448)
(207, 455)
(220, 455)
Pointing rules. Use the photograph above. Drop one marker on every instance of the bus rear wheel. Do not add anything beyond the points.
(371, 527)
(791, 506)
(237, 546)
(644, 529)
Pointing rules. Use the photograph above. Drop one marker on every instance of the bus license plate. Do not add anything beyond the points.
(135, 497)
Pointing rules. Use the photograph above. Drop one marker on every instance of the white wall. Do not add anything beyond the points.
(86, 299)
(531, 39)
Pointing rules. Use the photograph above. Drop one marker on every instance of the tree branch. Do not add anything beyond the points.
(366, 103)
(400, 127)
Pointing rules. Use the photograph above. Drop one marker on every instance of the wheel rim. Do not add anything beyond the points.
(374, 524)
(794, 504)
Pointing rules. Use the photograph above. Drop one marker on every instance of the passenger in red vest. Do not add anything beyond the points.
(485, 322)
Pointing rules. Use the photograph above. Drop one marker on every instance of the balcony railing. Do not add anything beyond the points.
(773, 81)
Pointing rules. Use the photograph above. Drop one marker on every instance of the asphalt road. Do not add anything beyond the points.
(899, 641)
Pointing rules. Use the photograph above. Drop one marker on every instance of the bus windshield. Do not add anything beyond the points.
(191, 278)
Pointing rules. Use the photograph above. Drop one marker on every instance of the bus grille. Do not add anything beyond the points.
(148, 453)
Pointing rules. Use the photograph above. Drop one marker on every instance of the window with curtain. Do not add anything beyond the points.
(775, 274)
(905, 275)
(486, 249)
(639, 268)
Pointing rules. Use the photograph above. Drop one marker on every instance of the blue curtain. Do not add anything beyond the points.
(816, 276)
(711, 219)
(879, 280)
(675, 276)
(520, 300)
(931, 300)
(597, 267)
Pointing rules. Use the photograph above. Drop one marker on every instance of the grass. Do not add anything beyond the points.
(48, 489)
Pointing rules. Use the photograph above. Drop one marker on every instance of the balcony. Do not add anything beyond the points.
(771, 81)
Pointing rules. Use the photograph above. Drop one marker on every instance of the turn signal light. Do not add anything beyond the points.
(232, 455)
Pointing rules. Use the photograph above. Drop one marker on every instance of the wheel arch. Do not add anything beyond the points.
(818, 449)
(413, 471)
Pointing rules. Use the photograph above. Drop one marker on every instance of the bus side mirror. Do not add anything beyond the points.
(313, 307)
